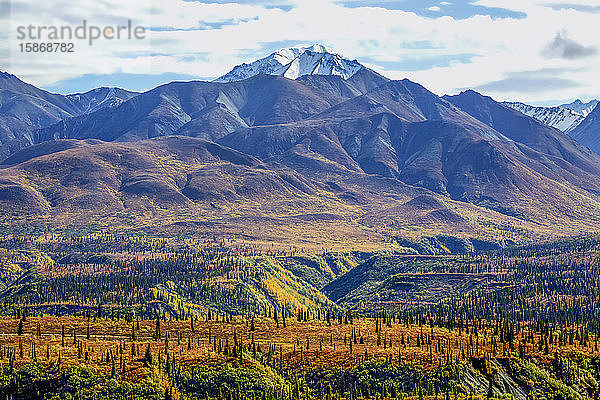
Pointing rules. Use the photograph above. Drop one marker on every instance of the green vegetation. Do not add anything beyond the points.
(117, 316)
(53, 382)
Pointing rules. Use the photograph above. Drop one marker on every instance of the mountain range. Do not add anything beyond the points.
(339, 154)
(565, 117)
(578, 119)
(588, 131)
(25, 108)
(558, 117)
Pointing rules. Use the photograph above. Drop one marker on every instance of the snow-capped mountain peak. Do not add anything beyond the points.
(582, 108)
(102, 97)
(559, 117)
(295, 62)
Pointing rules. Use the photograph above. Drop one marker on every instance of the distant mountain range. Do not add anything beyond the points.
(565, 117)
(25, 108)
(557, 117)
(340, 142)
(577, 119)
(588, 131)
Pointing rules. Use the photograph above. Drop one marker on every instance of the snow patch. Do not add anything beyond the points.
(295, 62)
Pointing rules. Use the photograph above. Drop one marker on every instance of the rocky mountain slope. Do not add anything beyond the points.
(582, 108)
(588, 132)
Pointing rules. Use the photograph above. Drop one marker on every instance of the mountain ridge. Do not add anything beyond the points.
(565, 117)
(557, 117)
(295, 62)
(588, 131)
(580, 107)
(26, 108)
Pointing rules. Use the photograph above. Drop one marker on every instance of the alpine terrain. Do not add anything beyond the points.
(295, 62)
(565, 117)
(588, 131)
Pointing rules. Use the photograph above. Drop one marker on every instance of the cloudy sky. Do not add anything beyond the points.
(538, 51)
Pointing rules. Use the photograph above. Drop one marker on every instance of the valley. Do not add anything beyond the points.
(152, 316)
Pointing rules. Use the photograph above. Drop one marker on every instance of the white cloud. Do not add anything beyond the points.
(434, 8)
(209, 39)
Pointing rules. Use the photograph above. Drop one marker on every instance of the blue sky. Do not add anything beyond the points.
(459, 9)
(427, 8)
(539, 51)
